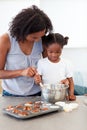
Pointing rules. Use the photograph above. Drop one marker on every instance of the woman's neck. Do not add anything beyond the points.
(26, 47)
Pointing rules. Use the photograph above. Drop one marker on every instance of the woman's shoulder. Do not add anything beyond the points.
(4, 36)
(4, 40)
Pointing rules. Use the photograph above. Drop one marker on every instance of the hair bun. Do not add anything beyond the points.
(66, 40)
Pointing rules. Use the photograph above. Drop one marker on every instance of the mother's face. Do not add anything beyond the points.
(34, 37)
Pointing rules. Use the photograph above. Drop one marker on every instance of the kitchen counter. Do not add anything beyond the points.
(74, 120)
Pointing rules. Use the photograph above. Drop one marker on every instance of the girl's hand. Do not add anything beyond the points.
(30, 72)
(64, 81)
(71, 97)
(37, 78)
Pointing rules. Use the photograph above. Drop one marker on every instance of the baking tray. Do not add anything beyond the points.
(31, 109)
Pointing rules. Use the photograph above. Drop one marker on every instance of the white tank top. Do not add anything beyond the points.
(16, 60)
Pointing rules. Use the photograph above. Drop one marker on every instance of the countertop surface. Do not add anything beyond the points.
(74, 120)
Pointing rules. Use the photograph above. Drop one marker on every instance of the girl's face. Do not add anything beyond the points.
(35, 37)
(54, 51)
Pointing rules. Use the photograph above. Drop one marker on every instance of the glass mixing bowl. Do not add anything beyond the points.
(54, 92)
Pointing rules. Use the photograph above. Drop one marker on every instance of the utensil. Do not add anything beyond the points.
(54, 93)
(41, 85)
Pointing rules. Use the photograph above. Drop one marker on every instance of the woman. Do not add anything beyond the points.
(20, 50)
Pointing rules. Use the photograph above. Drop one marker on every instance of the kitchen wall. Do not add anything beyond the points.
(77, 56)
(69, 17)
(9, 8)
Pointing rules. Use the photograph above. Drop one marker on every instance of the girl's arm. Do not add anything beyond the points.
(71, 89)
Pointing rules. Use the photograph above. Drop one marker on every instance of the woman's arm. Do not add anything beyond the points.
(38, 78)
(6, 74)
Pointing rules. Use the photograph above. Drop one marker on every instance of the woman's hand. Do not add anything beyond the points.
(29, 72)
(37, 78)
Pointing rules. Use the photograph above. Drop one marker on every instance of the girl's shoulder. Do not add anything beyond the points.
(43, 60)
(67, 61)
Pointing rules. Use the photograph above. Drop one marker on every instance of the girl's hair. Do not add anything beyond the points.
(29, 21)
(55, 38)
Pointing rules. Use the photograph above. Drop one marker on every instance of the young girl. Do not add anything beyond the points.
(53, 69)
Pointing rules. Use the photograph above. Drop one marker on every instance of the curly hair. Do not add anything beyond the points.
(55, 38)
(29, 21)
